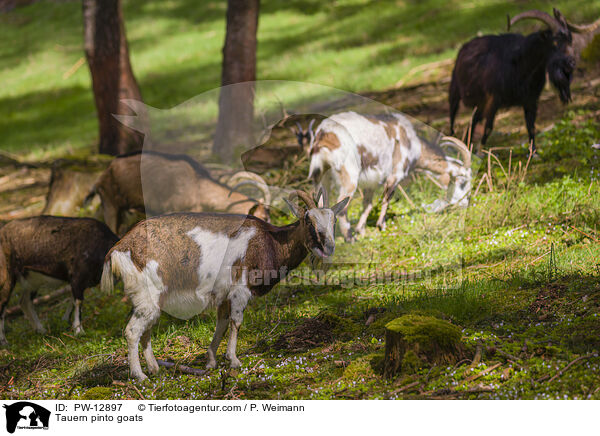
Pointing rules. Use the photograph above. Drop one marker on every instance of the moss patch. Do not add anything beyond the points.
(98, 393)
(416, 341)
(342, 328)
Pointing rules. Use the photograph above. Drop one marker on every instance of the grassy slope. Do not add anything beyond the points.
(527, 292)
(355, 45)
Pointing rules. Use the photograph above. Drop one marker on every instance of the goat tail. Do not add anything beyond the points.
(107, 283)
(315, 172)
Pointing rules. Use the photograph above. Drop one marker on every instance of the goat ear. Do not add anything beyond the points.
(320, 198)
(294, 208)
(338, 208)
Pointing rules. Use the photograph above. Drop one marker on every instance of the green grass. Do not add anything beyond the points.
(518, 271)
(354, 45)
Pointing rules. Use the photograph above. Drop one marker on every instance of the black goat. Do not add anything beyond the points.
(500, 71)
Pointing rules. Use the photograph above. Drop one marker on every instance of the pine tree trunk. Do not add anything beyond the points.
(112, 77)
(236, 103)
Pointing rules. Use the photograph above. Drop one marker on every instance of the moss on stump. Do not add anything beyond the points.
(98, 393)
(415, 341)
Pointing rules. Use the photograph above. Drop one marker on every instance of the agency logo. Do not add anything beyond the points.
(26, 415)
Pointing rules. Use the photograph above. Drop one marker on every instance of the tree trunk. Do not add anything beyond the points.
(236, 103)
(112, 77)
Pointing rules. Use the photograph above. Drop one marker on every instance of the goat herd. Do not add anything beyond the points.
(210, 246)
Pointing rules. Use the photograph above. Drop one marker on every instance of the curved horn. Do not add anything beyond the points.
(310, 125)
(254, 180)
(299, 127)
(534, 14)
(305, 198)
(584, 28)
(462, 149)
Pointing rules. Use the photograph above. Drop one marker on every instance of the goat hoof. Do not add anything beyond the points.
(4, 343)
(78, 331)
(381, 226)
(211, 365)
(235, 363)
(41, 331)
(140, 377)
(350, 238)
(153, 369)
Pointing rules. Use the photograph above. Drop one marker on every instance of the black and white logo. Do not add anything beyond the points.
(26, 415)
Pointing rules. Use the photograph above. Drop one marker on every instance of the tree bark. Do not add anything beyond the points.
(236, 103)
(112, 77)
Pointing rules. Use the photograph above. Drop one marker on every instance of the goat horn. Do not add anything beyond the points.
(534, 14)
(299, 127)
(305, 198)
(462, 149)
(584, 28)
(254, 180)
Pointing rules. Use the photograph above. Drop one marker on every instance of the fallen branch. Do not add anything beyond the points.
(403, 192)
(477, 357)
(404, 388)
(569, 366)
(584, 233)
(129, 386)
(182, 368)
(482, 373)
(55, 295)
(539, 257)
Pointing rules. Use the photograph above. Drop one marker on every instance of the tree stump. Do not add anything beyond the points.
(414, 341)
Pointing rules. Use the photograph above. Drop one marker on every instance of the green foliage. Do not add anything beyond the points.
(342, 328)
(427, 331)
(592, 52)
(175, 50)
(98, 393)
(518, 270)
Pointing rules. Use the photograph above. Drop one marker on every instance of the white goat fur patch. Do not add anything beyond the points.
(218, 253)
(354, 130)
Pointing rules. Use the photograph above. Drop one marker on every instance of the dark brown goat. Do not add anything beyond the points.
(500, 71)
(171, 183)
(69, 249)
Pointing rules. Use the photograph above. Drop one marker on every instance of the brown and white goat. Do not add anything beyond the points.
(370, 150)
(69, 249)
(185, 263)
(171, 183)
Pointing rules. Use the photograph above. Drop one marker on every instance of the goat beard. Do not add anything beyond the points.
(317, 265)
(560, 73)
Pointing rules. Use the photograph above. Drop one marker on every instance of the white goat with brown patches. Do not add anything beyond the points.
(185, 263)
(367, 151)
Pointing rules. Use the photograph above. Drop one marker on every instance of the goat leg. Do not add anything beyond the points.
(388, 192)
(221, 328)
(530, 116)
(28, 309)
(238, 299)
(367, 207)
